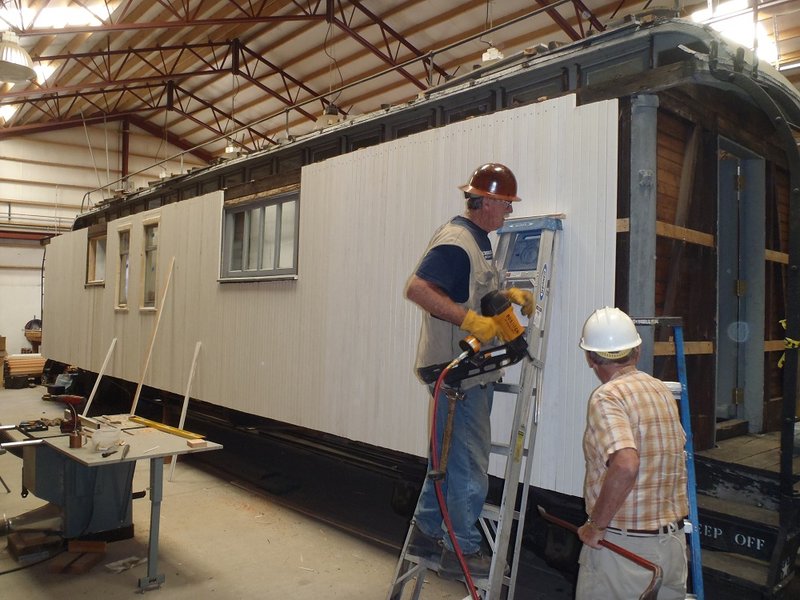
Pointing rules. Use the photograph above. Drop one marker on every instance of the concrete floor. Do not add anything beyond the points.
(218, 539)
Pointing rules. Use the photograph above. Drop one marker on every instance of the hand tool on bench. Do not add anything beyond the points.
(651, 591)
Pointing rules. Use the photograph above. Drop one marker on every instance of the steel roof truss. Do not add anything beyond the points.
(248, 57)
(220, 117)
(400, 39)
(343, 23)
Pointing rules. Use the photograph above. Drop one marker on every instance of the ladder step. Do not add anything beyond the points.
(503, 450)
(510, 388)
(492, 512)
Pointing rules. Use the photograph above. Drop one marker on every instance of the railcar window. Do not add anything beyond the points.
(124, 264)
(96, 260)
(150, 264)
(259, 239)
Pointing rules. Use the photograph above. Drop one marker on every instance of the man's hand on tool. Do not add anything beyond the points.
(522, 297)
(591, 534)
(483, 328)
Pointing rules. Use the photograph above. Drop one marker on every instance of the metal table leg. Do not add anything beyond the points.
(153, 579)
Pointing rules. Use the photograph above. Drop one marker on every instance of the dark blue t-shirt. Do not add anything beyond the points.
(447, 266)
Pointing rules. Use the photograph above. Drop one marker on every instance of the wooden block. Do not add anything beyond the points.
(196, 443)
(85, 562)
(86, 546)
(62, 561)
(29, 539)
(22, 543)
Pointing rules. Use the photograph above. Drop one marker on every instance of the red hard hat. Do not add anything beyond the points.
(492, 180)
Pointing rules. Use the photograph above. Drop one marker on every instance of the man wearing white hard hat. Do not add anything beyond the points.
(635, 485)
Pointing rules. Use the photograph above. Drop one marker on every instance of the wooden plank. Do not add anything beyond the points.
(185, 407)
(167, 428)
(746, 511)
(674, 232)
(738, 566)
(62, 561)
(24, 368)
(775, 256)
(761, 451)
(153, 336)
(685, 234)
(668, 348)
(16, 364)
(81, 546)
(766, 460)
(19, 366)
(100, 376)
(739, 450)
(84, 563)
(12, 360)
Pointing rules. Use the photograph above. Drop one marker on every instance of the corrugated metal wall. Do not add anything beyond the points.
(333, 350)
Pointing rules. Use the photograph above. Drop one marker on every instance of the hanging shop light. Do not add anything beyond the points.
(329, 116)
(15, 63)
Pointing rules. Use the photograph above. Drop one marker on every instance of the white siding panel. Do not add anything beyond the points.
(333, 350)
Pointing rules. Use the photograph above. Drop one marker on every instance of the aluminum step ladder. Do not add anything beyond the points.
(525, 257)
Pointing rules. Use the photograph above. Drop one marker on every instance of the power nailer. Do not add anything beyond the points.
(497, 306)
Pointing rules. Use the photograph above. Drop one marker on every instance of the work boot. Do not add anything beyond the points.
(424, 546)
(478, 564)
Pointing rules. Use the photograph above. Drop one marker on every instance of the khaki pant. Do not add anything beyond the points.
(606, 575)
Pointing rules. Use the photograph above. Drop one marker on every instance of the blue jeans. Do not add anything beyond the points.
(467, 479)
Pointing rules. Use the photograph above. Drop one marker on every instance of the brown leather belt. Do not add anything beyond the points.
(677, 525)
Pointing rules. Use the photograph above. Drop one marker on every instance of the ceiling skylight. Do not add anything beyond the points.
(54, 17)
(734, 20)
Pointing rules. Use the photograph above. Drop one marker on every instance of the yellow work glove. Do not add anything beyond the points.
(483, 328)
(522, 297)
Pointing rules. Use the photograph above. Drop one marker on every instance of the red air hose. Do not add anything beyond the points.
(438, 484)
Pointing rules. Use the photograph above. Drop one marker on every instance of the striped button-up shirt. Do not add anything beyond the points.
(635, 410)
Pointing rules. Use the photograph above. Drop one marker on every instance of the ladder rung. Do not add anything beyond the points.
(511, 388)
(501, 449)
(492, 512)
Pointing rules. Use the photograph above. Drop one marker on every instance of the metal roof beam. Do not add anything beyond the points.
(170, 137)
(400, 39)
(220, 117)
(183, 24)
(560, 21)
(249, 56)
(343, 23)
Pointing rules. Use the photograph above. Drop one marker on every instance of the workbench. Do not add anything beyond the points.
(66, 476)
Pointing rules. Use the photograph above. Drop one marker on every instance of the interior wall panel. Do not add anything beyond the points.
(333, 350)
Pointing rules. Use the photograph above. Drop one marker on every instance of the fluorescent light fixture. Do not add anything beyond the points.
(15, 63)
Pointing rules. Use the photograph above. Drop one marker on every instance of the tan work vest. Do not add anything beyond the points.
(438, 339)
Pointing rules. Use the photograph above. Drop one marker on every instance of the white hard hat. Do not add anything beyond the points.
(610, 333)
